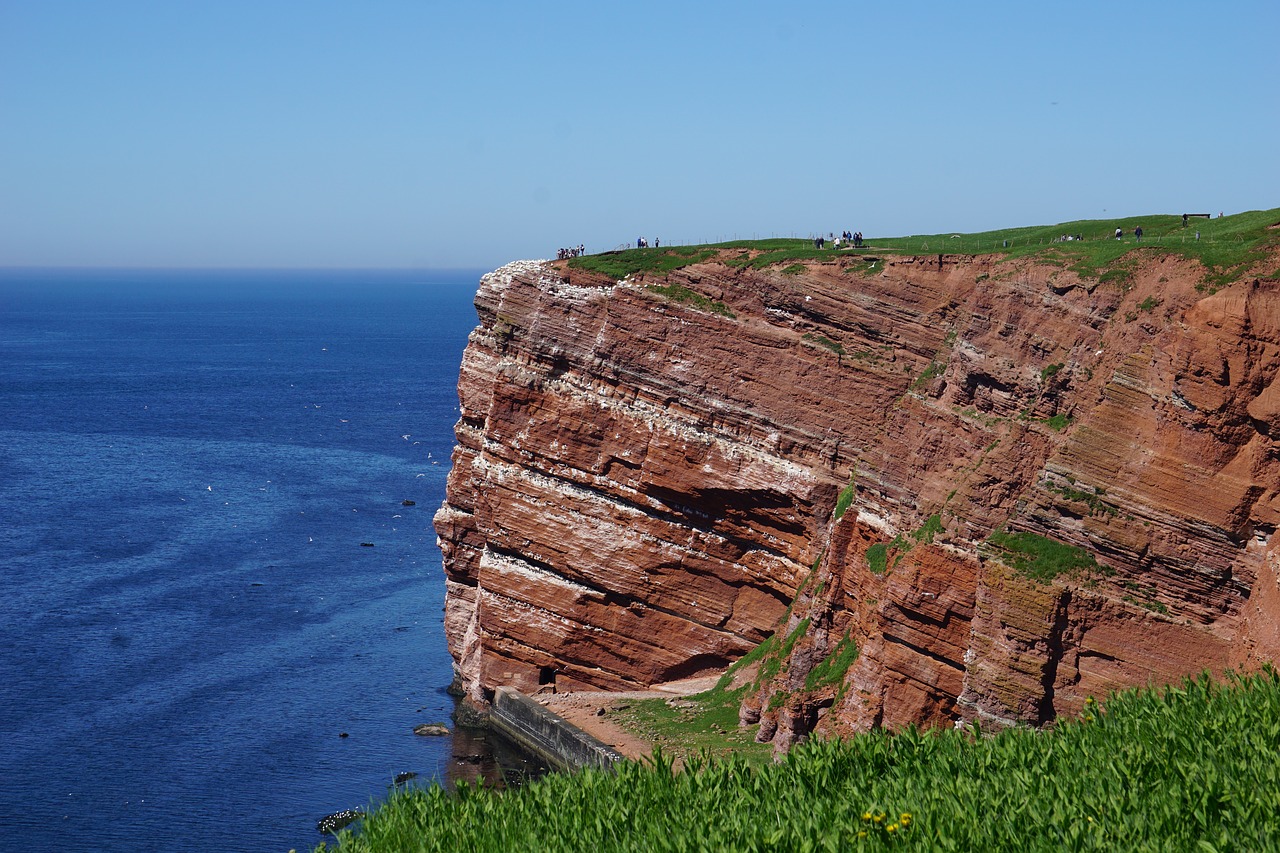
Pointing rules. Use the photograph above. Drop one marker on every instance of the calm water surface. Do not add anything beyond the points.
(190, 467)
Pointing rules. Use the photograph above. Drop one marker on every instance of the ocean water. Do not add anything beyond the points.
(191, 465)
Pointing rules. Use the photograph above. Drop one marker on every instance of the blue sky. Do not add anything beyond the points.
(424, 134)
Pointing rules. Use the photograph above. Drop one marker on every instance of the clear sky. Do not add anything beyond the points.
(391, 133)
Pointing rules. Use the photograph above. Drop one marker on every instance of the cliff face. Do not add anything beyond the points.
(647, 473)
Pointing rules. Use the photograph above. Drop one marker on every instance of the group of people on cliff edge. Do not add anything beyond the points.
(854, 237)
(571, 252)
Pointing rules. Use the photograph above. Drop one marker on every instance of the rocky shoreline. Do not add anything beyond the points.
(593, 711)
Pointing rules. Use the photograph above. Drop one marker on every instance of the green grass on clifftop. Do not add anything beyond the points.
(1189, 768)
(627, 262)
(1226, 247)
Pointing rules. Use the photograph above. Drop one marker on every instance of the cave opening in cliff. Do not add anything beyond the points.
(697, 665)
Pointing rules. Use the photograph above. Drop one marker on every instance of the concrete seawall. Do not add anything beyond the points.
(547, 734)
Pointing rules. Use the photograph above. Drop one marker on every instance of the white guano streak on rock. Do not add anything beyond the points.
(875, 522)
(777, 474)
(760, 468)
(511, 475)
(506, 564)
(623, 536)
(532, 615)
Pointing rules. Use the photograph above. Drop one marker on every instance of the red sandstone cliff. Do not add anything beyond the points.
(644, 489)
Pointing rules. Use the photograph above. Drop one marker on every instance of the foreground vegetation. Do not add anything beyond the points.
(1226, 246)
(1192, 767)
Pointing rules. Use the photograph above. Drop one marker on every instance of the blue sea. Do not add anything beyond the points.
(220, 616)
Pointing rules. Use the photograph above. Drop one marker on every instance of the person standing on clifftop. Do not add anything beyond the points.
(1119, 233)
(1137, 233)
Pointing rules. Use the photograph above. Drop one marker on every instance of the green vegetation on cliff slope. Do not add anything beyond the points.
(680, 293)
(1040, 558)
(704, 724)
(1192, 767)
(1226, 246)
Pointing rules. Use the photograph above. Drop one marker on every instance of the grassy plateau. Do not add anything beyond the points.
(1225, 246)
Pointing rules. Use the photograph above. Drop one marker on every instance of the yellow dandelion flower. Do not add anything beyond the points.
(878, 818)
(904, 817)
(893, 827)
(866, 815)
(862, 833)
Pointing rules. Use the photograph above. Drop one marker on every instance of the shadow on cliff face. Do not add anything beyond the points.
(705, 507)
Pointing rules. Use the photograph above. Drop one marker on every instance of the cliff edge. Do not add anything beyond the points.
(936, 488)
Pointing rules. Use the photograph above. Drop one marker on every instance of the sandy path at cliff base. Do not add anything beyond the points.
(592, 711)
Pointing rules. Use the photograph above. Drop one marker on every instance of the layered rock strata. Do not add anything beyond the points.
(647, 473)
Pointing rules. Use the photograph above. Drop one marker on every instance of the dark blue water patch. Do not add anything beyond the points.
(348, 367)
(191, 466)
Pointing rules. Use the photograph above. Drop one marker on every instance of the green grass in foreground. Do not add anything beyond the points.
(1190, 768)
